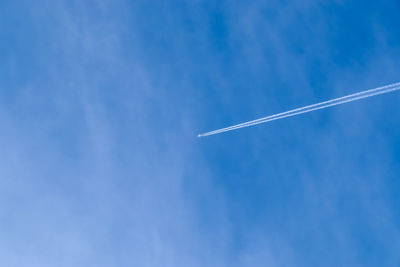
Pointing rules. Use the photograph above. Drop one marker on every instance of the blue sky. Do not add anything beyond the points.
(101, 102)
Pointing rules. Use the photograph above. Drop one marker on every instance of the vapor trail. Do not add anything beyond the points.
(317, 106)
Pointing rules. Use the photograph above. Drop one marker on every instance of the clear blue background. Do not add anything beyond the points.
(101, 102)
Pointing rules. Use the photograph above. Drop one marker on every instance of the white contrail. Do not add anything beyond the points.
(325, 104)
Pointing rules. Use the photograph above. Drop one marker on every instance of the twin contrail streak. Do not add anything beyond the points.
(313, 107)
